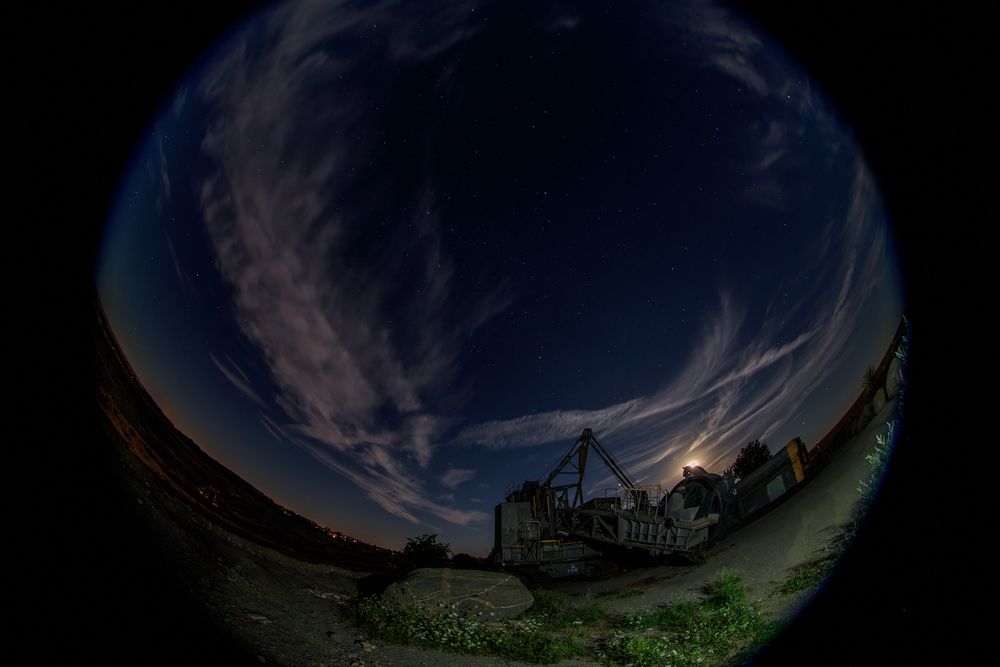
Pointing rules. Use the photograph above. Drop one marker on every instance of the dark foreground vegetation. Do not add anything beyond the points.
(690, 631)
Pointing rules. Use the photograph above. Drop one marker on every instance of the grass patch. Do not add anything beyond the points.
(527, 639)
(688, 631)
(555, 613)
(809, 575)
(878, 461)
(550, 631)
(616, 595)
(726, 588)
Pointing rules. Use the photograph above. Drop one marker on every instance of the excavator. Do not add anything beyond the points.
(549, 528)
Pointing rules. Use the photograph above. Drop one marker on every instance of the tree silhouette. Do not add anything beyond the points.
(751, 457)
(425, 551)
(870, 381)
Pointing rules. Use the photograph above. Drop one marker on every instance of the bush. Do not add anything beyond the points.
(425, 551)
(726, 588)
(467, 562)
(870, 382)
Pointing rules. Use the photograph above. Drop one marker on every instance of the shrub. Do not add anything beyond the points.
(466, 562)
(869, 383)
(726, 588)
(425, 551)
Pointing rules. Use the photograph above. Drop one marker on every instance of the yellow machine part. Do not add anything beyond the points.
(793, 455)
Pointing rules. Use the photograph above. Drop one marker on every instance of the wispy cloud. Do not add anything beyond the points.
(164, 168)
(712, 38)
(179, 99)
(173, 257)
(273, 428)
(565, 22)
(388, 482)
(772, 145)
(721, 43)
(238, 378)
(742, 69)
(455, 477)
(187, 284)
(718, 40)
(744, 378)
(355, 348)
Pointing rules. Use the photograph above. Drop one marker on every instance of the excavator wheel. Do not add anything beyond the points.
(719, 531)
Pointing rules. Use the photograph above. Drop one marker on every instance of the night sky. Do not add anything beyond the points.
(382, 261)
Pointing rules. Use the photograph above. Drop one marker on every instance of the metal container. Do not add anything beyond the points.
(783, 472)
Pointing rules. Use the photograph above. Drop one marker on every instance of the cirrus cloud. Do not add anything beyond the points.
(352, 367)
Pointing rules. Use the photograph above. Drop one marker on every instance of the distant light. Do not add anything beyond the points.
(693, 463)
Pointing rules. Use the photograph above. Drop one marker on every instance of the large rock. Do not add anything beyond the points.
(893, 378)
(878, 401)
(467, 592)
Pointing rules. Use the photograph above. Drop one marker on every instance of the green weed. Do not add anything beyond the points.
(688, 631)
(530, 638)
(808, 575)
(624, 593)
(726, 588)
(556, 613)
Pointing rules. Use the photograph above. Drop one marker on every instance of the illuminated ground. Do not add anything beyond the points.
(768, 549)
